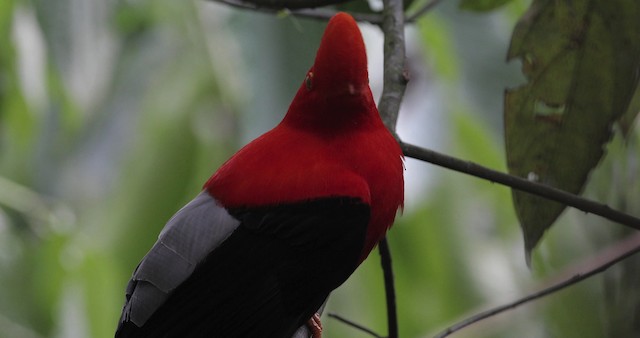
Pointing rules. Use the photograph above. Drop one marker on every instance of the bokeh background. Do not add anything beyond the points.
(114, 113)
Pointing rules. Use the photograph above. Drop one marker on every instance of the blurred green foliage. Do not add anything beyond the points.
(113, 114)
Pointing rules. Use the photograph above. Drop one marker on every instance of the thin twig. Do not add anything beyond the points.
(290, 4)
(522, 184)
(389, 288)
(307, 13)
(537, 295)
(354, 324)
(429, 6)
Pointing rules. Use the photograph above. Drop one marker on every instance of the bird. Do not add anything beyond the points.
(284, 221)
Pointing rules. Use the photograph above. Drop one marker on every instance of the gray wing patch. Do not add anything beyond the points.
(189, 236)
(302, 332)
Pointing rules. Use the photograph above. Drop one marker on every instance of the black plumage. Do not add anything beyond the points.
(269, 276)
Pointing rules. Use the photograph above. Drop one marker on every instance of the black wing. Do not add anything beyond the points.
(268, 277)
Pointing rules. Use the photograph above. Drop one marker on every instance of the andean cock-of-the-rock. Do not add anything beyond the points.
(284, 221)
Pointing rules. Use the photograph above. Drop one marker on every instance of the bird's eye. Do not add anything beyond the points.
(308, 81)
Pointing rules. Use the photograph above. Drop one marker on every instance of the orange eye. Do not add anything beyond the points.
(308, 81)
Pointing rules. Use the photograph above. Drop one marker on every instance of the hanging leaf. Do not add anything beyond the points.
(581, 59)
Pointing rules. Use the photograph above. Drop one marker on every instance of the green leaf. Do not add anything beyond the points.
(482, 5)
(581, 59)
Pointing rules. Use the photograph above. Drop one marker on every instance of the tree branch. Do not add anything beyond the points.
(633, 242)
(307, 13)
(389, 288)
(289, 4)
(394, 84)
(395, 76)
(522, 184)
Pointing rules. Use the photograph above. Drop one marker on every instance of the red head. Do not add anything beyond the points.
(336, 87)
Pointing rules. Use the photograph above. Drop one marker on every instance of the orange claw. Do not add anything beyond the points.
(315, 326)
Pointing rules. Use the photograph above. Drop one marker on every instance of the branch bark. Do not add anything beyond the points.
(522, 184)
(395, 75)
